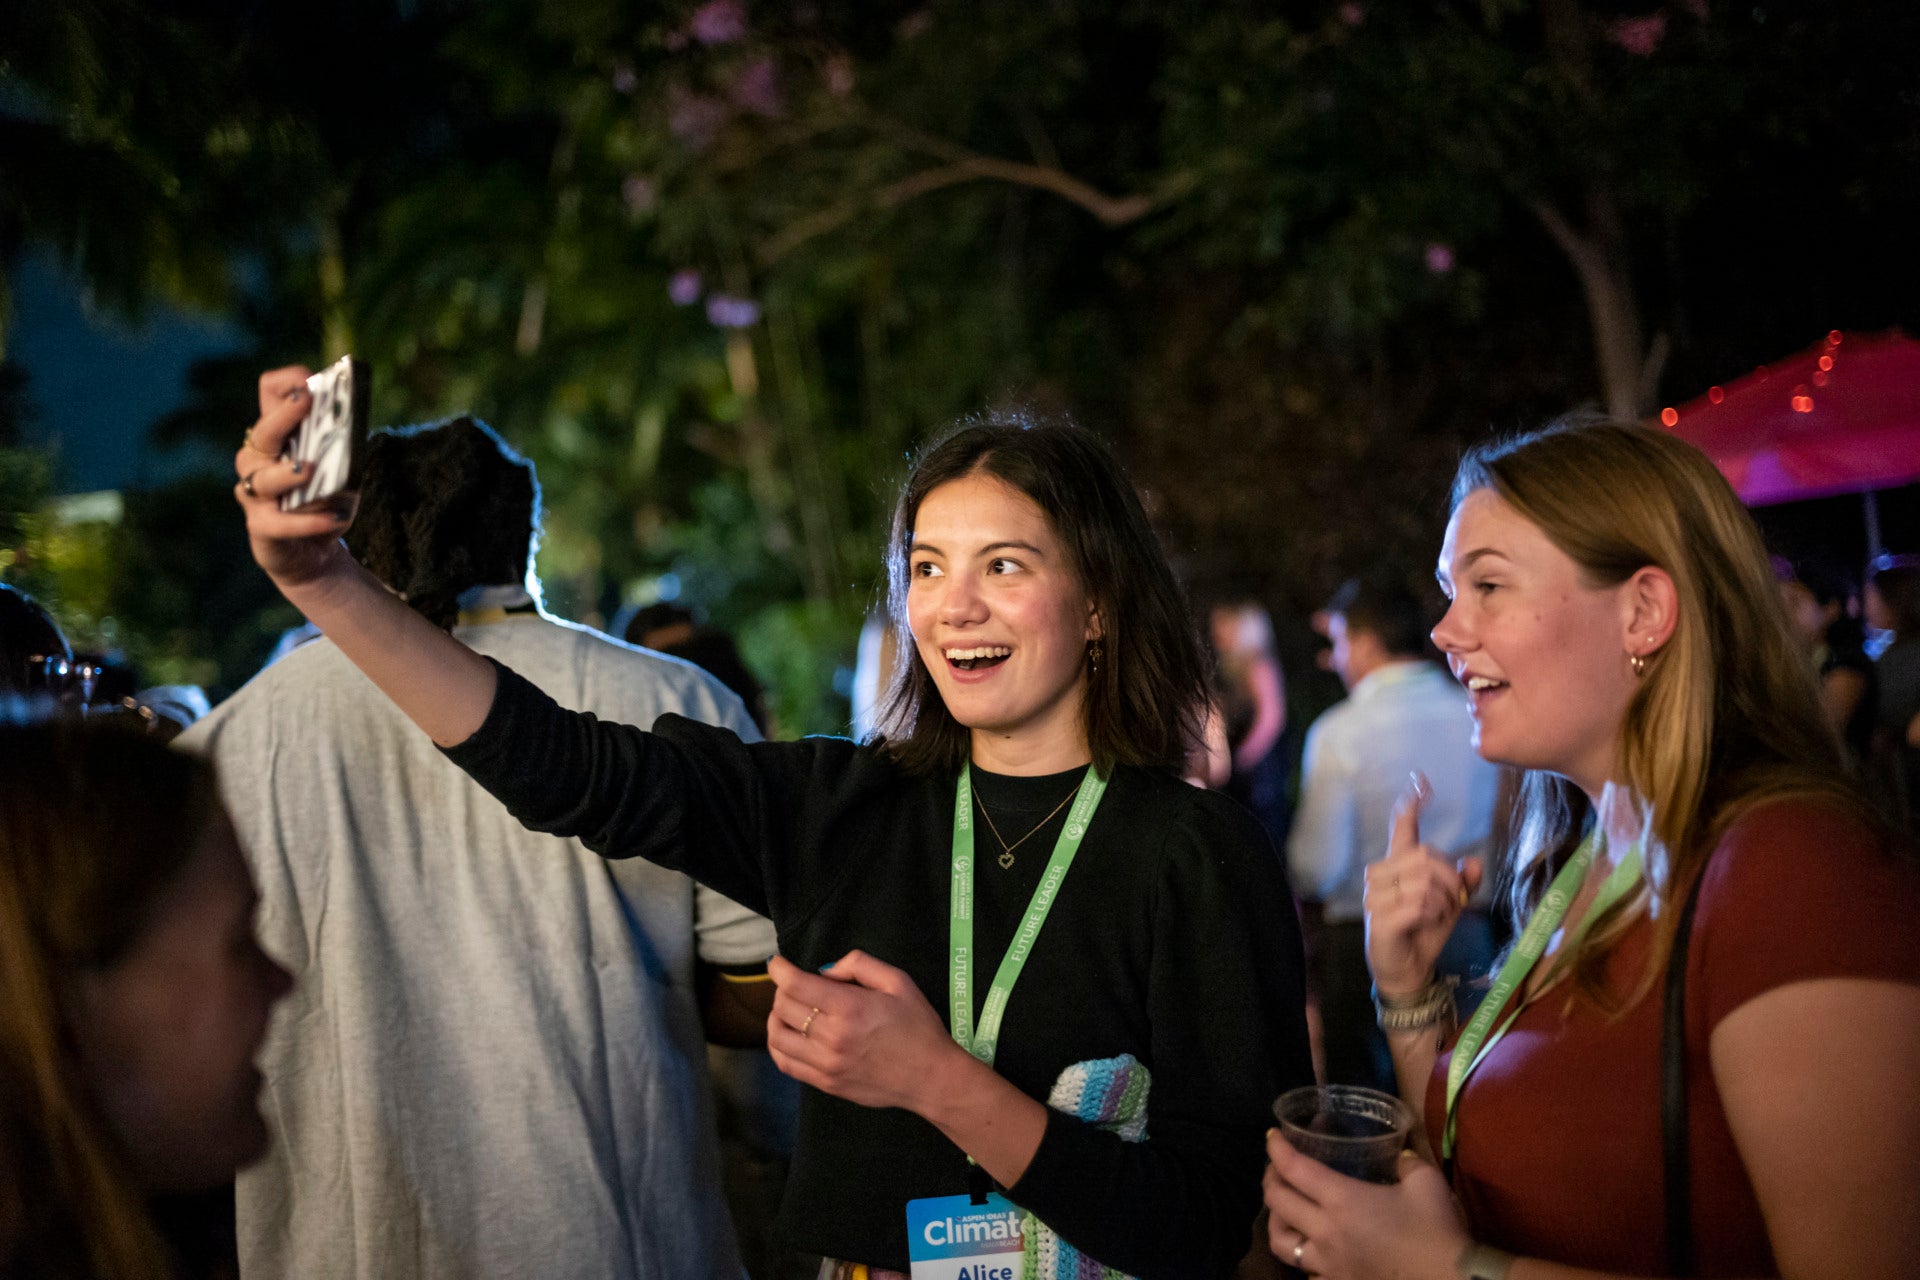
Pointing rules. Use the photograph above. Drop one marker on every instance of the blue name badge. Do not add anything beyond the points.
(952, 1238)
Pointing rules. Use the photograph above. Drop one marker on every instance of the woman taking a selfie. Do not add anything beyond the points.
(1024, 791)
(1688, 839)
(135, 998)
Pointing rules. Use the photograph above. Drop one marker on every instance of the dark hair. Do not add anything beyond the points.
(643, 621)
(1146, 702)
(1380, 602)
(1824, 580)
(95, 823)
(445, 506)
(26, 630)
(713, 651)
(1897, 579)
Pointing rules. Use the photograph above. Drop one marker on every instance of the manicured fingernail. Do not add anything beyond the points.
(828, 965)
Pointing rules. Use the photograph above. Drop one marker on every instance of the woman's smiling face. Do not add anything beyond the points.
(1001, 620)
(1542, 652)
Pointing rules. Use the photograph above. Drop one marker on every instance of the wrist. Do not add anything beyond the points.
(329, 574)
(1428, 1006)
(944, 1088)
(1402, 986)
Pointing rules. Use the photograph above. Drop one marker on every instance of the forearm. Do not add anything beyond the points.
(1269, 718)
(985, 1116)
(1414, 1053)
(438, 682)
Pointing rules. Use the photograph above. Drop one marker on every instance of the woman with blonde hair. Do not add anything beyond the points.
(1697, 1056)
(133, 998)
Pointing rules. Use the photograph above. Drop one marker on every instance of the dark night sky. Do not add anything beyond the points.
(97, 383)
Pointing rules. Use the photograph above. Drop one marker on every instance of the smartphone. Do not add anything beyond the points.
(332, 439)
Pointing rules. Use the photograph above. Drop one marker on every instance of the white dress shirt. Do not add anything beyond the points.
(1404, 716)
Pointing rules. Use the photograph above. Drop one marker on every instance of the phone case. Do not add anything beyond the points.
(332, 438)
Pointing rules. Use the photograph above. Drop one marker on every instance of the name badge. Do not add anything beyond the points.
(952, 1238)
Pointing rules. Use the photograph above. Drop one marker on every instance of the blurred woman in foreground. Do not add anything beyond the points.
(1615, 622)
(132, 997)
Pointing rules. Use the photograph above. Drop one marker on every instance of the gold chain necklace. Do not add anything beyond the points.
(1006, 850)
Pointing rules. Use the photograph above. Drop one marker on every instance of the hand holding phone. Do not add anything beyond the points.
(330, 441)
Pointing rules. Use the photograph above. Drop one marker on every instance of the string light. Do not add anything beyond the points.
(1802, 401)
(1715, 395)
(1669, 416)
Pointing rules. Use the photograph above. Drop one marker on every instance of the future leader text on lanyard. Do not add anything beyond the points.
(1480, 1035)
(980, 1236)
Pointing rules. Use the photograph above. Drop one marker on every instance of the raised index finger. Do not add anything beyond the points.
(1405, 837)
(278, 385)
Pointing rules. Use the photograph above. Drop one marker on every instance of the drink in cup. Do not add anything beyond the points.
(1355, 1131)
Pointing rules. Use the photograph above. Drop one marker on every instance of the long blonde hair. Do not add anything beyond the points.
(95, 822)
(1728, 713)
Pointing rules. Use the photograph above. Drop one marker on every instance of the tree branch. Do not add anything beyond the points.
(1112, 211)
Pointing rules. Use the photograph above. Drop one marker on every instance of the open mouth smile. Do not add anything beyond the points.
(978, 657)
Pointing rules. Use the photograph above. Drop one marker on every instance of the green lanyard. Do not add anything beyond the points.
(1476, 1042)
(983, 1043)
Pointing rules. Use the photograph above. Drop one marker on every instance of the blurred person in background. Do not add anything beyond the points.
(133, 999)
(1698, 1057)
(675, 630)
(1823, 608)
(35, 660)
(1252, 698)
(496, 1063)
(1402, 716)
(1891, 599)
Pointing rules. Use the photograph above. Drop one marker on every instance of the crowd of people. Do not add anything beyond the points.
(1615, 900)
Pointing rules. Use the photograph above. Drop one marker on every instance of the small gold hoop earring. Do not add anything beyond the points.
(1638, 663)
(1094, 655)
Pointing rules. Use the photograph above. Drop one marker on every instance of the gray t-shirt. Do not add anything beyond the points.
(493, 1064)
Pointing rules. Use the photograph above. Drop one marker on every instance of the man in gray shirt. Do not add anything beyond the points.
(494, 1062)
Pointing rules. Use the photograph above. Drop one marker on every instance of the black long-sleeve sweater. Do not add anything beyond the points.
(1173, 939)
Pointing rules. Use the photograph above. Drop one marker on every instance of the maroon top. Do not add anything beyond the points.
(1558, 1132)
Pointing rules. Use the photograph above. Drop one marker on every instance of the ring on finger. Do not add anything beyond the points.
(807, 1026)
(247, 440)
(246, 481)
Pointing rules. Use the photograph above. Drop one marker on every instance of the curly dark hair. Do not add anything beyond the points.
(1147, 702)
(445, 506)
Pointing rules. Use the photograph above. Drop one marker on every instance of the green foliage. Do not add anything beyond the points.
(717, 268)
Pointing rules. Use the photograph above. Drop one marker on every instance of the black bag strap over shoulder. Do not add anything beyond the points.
(1673, 1093)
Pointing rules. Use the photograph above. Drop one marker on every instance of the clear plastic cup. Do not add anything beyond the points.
(1356, 1131)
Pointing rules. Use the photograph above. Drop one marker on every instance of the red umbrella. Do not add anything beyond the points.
(1840, 417)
